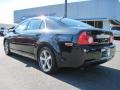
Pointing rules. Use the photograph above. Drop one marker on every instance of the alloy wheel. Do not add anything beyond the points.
(45, 60)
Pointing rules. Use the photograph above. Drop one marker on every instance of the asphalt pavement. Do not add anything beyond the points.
(20, 73)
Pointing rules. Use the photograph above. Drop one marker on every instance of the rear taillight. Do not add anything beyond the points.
(111, 39)
(85, 39)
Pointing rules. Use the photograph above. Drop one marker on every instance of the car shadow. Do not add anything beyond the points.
(99, 78)
(27, 61)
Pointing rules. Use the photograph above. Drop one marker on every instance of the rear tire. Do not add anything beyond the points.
(7, 48)
(47, 60)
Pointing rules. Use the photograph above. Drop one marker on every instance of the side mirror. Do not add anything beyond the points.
(11, 29)
(2, 28)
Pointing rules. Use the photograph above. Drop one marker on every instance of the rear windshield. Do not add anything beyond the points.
(65, 23)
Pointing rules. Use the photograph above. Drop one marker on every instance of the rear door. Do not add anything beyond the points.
(30, 36)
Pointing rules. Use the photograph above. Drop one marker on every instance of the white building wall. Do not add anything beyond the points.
(52, 10)
(118, 10)
(90, 9)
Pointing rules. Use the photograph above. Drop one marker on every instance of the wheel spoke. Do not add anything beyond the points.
(48, 65)
(45, 54)
(41, 58)
(49, 57)
(44, 66)
(6, 47)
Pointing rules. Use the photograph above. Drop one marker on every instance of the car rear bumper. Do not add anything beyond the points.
(96, 61)
(85, 55)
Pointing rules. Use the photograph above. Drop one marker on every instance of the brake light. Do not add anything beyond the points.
(111, 39)
(85, 39)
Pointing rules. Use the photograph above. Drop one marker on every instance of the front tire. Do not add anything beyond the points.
(46, 60)
(7, 48)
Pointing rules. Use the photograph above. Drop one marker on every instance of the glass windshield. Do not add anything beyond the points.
(74, 23)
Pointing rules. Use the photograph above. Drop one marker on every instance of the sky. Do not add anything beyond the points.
(8, 6)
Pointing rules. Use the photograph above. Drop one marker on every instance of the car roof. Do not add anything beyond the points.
(47, 17)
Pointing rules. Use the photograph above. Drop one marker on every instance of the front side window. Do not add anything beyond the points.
(34, 24)
(22, 27)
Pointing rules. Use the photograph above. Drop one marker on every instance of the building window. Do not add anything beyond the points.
(96, 24)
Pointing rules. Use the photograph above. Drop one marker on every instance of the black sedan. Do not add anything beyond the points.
(59, 42)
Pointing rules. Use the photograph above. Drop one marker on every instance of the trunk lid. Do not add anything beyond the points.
(100, 36)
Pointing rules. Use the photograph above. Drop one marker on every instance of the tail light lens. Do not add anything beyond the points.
(111, 39)
(85, 39)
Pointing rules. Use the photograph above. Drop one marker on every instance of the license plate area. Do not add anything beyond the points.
(102, 36)
(105, 52)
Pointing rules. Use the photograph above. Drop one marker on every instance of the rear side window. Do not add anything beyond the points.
(34, 24)
(74, 23)
(52, 24)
